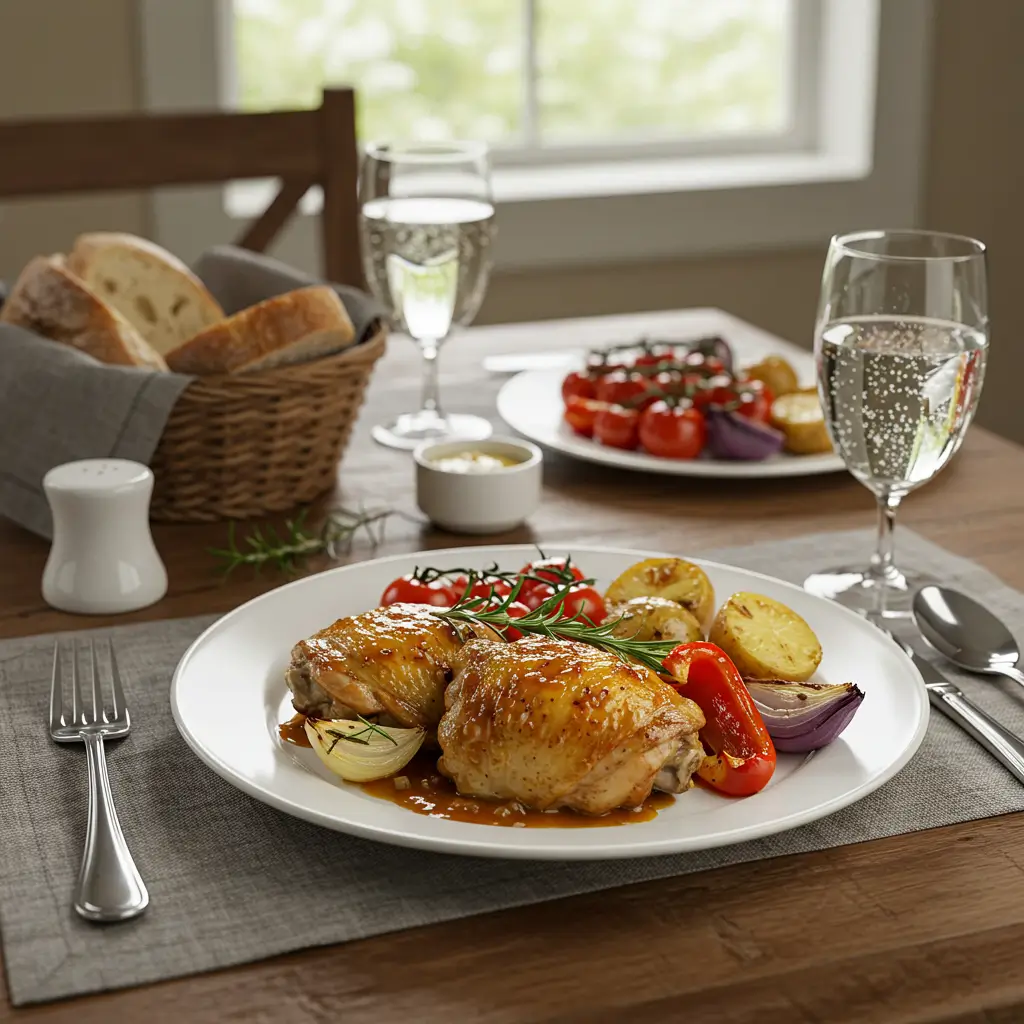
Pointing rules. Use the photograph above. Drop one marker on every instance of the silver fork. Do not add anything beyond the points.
(110, 887)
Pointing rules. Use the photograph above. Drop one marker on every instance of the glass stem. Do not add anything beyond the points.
(882, 560)
(431, 390)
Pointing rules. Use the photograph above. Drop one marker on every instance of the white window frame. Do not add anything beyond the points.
(798, 135)
(852, 157)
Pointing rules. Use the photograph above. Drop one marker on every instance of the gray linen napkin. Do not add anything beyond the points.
(58, 404)
(239, 278)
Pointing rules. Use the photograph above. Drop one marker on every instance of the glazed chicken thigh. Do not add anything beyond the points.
(553, 723)
(392, 662)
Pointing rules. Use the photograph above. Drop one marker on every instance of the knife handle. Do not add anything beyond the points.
(1002, 744)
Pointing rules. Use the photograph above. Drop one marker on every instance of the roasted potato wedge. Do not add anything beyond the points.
(671, 578)
(765, 639)
(776, 374)
(798, 415)
(654, 618)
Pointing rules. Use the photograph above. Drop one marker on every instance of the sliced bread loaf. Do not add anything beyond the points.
(152, 289)
(292, 328)
(48, 299)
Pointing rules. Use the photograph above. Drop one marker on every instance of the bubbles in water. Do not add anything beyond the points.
(899, 395)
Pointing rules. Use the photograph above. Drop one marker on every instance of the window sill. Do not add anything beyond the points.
(651, 177)
(245, 200)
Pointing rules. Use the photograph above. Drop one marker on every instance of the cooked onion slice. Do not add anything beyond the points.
(801, 717)
(360, 751)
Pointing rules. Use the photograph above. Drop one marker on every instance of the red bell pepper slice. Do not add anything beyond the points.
(742, 757)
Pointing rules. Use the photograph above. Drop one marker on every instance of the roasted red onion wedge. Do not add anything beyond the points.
(801, 717)
(731, 436)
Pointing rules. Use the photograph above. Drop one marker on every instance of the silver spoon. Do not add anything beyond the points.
(966, 632)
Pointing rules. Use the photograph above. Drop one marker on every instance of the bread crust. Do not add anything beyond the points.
(50, 300)
(295, 327)
(149, 286)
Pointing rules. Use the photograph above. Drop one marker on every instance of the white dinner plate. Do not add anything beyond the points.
(531, 404)
(228, 696)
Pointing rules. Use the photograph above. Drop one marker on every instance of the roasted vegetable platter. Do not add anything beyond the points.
(690, 407)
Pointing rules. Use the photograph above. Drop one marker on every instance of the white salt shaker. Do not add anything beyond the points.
(103, 559)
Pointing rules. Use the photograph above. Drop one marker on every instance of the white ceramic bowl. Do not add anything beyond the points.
(489, 502)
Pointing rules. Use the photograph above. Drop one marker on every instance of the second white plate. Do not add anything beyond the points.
(531, 404)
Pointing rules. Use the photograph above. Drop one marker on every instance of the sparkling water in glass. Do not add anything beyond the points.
(427, 223)
(901, 345)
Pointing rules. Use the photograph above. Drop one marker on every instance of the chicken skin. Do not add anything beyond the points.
(392, 662)
(554, 723)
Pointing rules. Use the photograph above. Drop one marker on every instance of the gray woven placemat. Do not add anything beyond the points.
(227, 873)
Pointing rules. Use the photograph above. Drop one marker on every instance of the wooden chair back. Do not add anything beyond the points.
(301, 147)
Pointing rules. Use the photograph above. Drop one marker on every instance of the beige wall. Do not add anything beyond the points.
(972, 180)
(776, 289)
(60, 57)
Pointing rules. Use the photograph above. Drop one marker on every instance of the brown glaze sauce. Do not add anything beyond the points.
(430, 793)
(294, 731)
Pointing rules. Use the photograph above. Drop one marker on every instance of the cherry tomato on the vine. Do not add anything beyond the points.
(481, 587)
(552, 569)
(516, 610)
(583, 601)
(715, 392)
(578, 385)
(550, 575)
(410, 590)
(673, 431)
(533, 594)
(622, 388)
(616, 427)
(755, 401)
(581, 412)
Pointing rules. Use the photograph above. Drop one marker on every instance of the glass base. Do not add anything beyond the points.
(863, 590)
(412, 428)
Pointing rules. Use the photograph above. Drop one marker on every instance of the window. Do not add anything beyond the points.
(537, 79)
(622, 129)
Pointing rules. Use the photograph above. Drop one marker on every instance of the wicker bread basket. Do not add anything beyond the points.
(242, 445)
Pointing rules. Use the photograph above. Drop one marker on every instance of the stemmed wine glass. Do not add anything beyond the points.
(427, 224)
(900, 343)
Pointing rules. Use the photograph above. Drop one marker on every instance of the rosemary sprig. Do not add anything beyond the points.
(554, 575)
(546, 620)
(266, 546)
(356, 737)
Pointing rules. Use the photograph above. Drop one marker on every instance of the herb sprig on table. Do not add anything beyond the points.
(285, 549)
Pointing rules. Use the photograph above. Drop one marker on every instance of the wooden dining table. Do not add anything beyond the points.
(924, 927)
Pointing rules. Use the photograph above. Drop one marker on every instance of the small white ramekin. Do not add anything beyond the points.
(491, 502)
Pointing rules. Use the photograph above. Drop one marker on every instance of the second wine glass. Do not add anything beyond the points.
(901, 344)
(427, 223)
